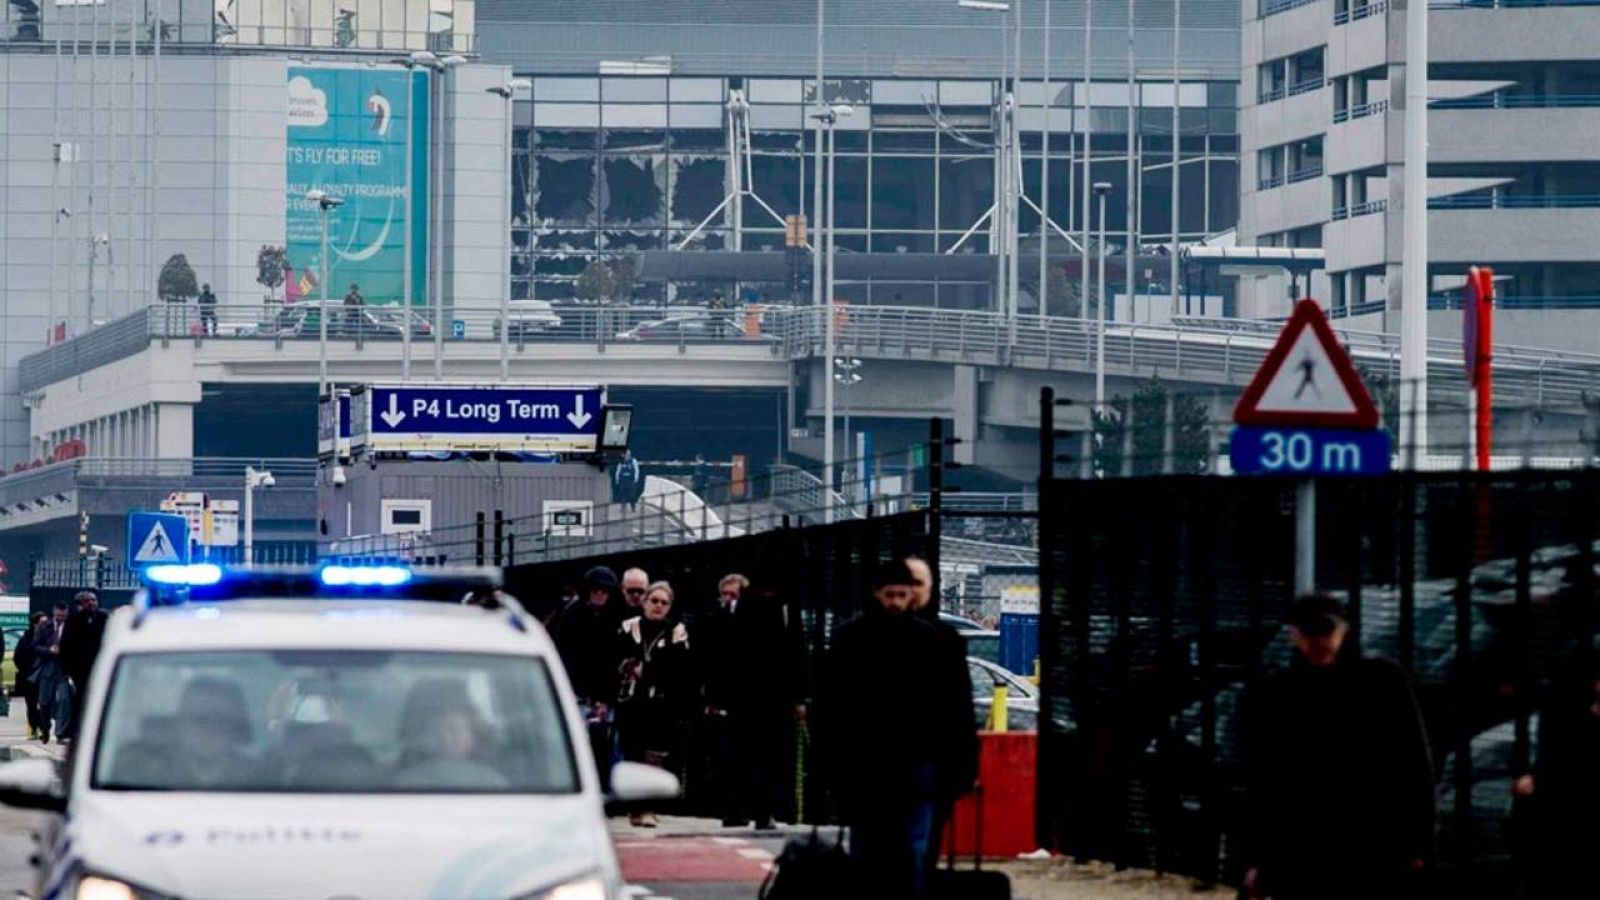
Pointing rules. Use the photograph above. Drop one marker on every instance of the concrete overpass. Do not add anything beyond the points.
(130, 387)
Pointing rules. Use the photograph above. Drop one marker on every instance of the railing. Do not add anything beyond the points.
(1272, 94)
(1357, 309)
(981, 501)
(1341, 213)
(1305, 87)
(1268, 182)
(1359, 111)
(1518, 101)
(1273, 7)
(1304, 175)
(1570, 301)
(215, 468)
(796, 489)
(1506, 4)
(1357, 13)
(1516, 201)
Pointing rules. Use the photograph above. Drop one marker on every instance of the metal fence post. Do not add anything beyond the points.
(935, 503)
(1043, 779)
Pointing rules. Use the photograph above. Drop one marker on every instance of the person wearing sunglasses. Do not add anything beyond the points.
(657, 685)
(634, 583)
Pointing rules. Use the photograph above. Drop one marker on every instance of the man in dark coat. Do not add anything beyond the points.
(81, 639)
(50, 674)
(1341, 778)
(1564, 787)
(585, 634)
(752, 659)
(896, 733)
(25, 657)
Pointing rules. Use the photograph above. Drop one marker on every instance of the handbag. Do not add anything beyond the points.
(810, 867)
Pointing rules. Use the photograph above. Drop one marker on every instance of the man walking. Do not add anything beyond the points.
(585, 635)
(208, 310)
(753, 694)
(1341, 778)
(26, 657)
(896, 733)
(81, 639)
(55, 691)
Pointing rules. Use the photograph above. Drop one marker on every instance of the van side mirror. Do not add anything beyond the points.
(33, 784)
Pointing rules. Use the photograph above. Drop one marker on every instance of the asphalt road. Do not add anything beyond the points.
(16, 846)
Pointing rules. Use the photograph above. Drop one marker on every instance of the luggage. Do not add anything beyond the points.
(810, 868)
(951, 883)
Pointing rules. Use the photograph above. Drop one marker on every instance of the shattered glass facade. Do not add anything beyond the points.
(620, 164)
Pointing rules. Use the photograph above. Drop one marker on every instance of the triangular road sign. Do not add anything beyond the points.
(1307, 380)
(157, 546)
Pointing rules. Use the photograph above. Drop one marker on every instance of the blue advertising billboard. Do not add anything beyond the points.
(347, 136)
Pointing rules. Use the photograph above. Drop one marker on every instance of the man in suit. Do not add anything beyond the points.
(753, 695)
(81, 639)
(55, 691)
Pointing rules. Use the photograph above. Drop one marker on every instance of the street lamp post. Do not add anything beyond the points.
(1101, 190)
(847, 373)
(253, 478)
(829, 119)
(819, 289)
(325, 204)
(508, 93)
(437, 65)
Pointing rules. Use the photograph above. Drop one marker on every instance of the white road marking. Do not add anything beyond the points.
(729, 841)
(756, 853)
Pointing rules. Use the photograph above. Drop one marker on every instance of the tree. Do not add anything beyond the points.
(1385, 393)
(1063, 292)
(270, 261)
(177, 282)
(595, 284)
(1191, 432)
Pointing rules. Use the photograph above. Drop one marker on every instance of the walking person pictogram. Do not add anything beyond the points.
(1308, 377)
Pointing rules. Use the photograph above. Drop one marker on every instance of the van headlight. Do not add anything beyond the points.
(589, 887)
(98, 887)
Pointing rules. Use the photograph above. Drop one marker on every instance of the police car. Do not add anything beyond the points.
(323, 734)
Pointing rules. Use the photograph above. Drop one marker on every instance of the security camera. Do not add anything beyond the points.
(99, 549)
(338, 476)
(268, 481)
(316, 195)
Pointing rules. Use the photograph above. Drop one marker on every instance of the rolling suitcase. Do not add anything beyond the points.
(951, 883)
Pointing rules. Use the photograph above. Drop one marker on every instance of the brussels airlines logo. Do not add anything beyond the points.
(308, 104)
(382, 115)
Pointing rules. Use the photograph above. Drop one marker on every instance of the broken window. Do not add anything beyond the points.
(699, 182)
(566, 189)
(633, 189)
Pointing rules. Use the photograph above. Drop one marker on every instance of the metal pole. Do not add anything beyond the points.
(249, 517)
(1102, 189)
(1044, 172)
(832, 327)
(1088, 147)
(1014, 173)
(819, 287)
(322, 310)
(436, 218)
(1177, 168)
(1414, 253)
(1130, 247)
(1305, 537)
(55, 185)
(411, 224)
(505, 237)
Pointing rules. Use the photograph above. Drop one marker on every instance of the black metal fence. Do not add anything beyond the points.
(1163, 602)
(821, 573)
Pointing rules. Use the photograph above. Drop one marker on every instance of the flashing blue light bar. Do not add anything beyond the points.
(184, 575)
(364, 576)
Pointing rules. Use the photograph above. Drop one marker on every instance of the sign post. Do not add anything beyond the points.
(1307, 414)
(155, 537)
(1477, 348)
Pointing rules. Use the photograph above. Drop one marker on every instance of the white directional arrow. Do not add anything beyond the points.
(393, 416)
(578, 417)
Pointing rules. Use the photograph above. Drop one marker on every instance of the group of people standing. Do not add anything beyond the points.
(54, 658)
(894, 725)
(643, 680)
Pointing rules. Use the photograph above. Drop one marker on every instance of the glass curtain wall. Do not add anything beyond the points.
(609, 165)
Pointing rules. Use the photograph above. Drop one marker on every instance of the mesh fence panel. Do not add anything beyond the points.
(1165, 598)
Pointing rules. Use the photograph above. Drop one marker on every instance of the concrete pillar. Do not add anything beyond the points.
(174, 431)
(965, 395)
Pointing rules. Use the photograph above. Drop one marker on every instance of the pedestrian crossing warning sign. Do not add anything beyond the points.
(157, 538)
(1307, 380)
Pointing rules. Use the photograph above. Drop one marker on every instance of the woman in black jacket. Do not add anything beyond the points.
(24, 657)
(656, 684)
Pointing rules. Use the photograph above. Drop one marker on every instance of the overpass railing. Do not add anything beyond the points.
(1216, 350)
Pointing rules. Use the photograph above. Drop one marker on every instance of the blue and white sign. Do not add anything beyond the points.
(493, 417)
(1308, 451)
(155, 537)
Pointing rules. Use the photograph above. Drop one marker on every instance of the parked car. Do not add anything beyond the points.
(1022, 701)
(693, 329)
(366, 322)
(982, 642)
(529, 317)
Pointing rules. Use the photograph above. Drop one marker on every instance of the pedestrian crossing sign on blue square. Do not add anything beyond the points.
(155, 537)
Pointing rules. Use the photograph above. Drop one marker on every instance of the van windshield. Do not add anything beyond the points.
(333, 721)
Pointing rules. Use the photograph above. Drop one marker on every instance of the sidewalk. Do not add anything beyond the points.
(14, 743)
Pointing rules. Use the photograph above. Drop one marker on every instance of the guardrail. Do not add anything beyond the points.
(1305, 87)
(1516, 201)
(1273, 7)
(1506, 4)
(1518, 101)
(1357, 13)
(1359, 111)
(1359, 209)
(1306, 174)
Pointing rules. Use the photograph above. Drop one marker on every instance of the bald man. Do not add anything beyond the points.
(634, 582)
(922, 587)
